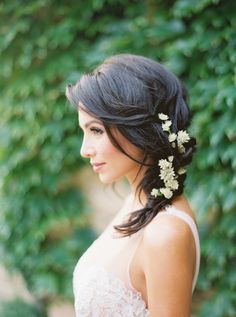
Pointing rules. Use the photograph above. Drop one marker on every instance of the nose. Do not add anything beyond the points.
(87, 150)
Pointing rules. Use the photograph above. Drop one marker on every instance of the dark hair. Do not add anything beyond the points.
(128, 92)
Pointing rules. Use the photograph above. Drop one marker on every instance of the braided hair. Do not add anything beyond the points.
(129, 92)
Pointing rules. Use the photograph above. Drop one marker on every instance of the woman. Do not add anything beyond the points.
(134, 116)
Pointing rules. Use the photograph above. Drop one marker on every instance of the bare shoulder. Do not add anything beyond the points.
(168, 264)
(167, 229)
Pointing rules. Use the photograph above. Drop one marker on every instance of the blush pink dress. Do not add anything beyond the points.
(101, 281)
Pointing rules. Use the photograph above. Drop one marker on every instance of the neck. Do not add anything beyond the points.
(134, 178)
(137, 201)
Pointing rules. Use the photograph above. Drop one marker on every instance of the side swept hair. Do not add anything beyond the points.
(128, 92)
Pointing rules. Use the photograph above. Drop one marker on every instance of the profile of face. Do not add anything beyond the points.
(106, 160)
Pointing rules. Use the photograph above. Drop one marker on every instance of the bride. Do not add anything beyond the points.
(134, 116)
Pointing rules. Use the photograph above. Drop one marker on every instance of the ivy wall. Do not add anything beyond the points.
(45, 44)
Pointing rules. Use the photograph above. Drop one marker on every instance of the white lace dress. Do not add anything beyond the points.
(101, 282)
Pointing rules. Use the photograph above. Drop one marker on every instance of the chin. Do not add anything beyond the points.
(108, 179)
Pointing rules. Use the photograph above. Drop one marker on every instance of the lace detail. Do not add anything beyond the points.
(102, 286)
(101, 294)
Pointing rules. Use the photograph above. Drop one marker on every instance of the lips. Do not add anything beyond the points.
(97, 166)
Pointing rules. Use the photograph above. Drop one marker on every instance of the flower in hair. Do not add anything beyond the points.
(163, 116)
(167, 173)
(182, 137)
(166, 170)
(172, 137)
(166, 192)
(155, 192)
(166, 125)
(181, 171)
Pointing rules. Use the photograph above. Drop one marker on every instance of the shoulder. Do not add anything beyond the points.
(166, 229)
(168, 261)
(166, 240)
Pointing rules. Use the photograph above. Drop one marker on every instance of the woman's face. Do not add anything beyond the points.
(106, 160)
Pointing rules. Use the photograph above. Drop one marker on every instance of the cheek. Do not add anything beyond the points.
(118, 164)
(107, 148)
(116, 158)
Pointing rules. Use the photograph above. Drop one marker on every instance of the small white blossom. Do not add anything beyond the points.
(155, 192)
(172, 184)
(181, 148)
(167, 174)
(172, 137)
(166, 192)
(166, 125)
(182, 137)
(163, 163)
(163, 116)
(181, 171)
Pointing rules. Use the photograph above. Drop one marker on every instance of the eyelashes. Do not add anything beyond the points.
(93, 130)
(96, 131)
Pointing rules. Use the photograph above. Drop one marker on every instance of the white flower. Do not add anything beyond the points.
(181, 148)
(172, 137)
(181, 171)
(172, 184)
(166, 192)
(163, 163)
(155, 192)
(163, 116)
(167, 174)
(182, 137)
(166, 125)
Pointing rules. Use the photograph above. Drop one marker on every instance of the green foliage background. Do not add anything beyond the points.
(17, 307)
(45, 44)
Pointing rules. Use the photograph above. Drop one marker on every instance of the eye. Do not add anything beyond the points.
(96, 131)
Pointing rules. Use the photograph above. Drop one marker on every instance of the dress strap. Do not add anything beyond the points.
(171, 210)
(135, 245)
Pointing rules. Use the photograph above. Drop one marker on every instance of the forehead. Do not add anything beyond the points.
(84, 118)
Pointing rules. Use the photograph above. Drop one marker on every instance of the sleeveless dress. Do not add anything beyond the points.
(101, 279)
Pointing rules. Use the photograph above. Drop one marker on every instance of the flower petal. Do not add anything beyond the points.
(181, 171)
(155, 192)
(182, 137)
(163, 116)
(166, 192)
(172, 137)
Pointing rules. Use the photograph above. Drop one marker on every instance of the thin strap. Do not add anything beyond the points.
(128, 279)
(171, 210)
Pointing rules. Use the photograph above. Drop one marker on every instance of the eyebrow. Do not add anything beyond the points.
(90, 122)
